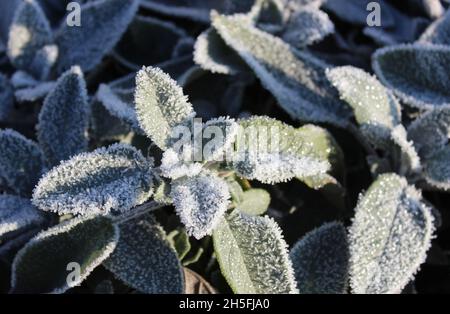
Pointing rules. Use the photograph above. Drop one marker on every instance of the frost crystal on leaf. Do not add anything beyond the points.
(390, 234)
(116, 178)
(376, 110)
(17, 213)
(41, 265)
(307, 27)
(176, 165)
(34, 93)
(270, 151)
(145, 260)
(437, 169)
(417, 74)
(21, 162)
(103, 23)
(63, 120)
(29, 32)
(43, 62)
(296, 79)
(160, 104)
(211, 53)
(200, 202)
(320, 260)
(409, 159)
(253, 255)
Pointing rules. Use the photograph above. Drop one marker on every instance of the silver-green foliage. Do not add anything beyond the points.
(63, 120)
(21, 162)
(145, 260)
(160, 105)
(41, 266)
(320, 260)
(116, 178)
(201, 202)
(390, 234)
(252, 255)
(296, 79)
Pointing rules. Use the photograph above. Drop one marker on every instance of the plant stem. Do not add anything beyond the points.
(138, 211)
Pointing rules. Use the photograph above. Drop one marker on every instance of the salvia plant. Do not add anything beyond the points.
(257, 146)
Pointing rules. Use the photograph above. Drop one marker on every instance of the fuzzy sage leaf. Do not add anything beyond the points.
(239, 241)
(41, 266)
(389, 236)
(116, 178)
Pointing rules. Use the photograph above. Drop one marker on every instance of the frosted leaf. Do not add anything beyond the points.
(145, 260)
(103, 23)
(390, 234)
(324, 147)
(320, 260)
(301, 4)
(64, 117)
(296, 79)
(306, 27)
(176, 165)
(254, 202)
(271, 151)
(21, 162)
(133, 49)
(417, 74)
(43, 264)
(29, 32)
(34, 93)
(409, 159)
(437, 169)
(119, 103)
(433, 8)
(200, 202)
(6, 97)
(253, 255)
(7, 8)
(375, 108)
(17, 213)
(160, 104)
(196, 10)
(438, 32)
(212, 53)
(431, 131)
(219, 135)
(43, 61)
(116, 178)
(104, 126)
(355, 11)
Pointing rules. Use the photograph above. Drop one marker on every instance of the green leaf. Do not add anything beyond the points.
(271, 151)
(17, 213)
(21, 162)
(116, 178)
(213, 54)
(320, 260)
(417, 74)
(200, 202)
(160, 105)
(64, 117)
(252, 255)
(296, 79)
(133, 49)
(179, 239)
(145, 260)
(29, 32)
(102, 24)
(255, 202)
(375, 108)
(43, 265)
(389, 236)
